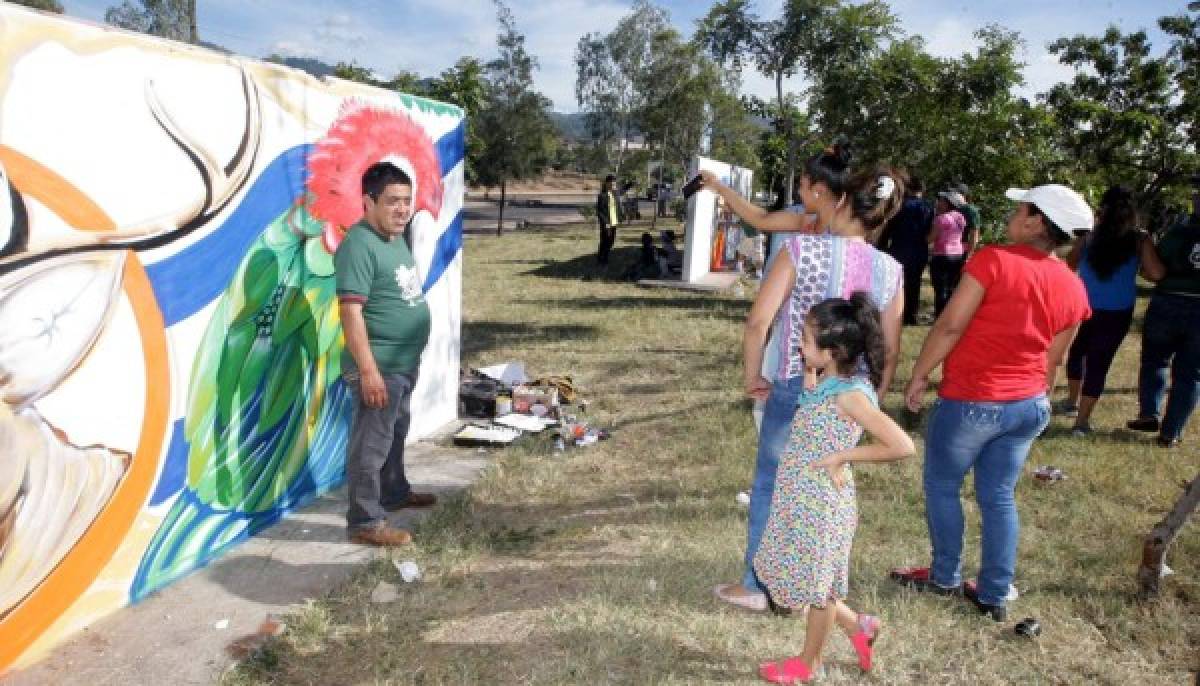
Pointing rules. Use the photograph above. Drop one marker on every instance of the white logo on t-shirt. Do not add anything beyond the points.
(409, 283)
(1194, 258)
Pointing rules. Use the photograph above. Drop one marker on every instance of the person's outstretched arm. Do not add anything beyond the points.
(752, 214)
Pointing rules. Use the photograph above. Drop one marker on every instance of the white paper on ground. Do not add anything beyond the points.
(511, 373)
(493, 434)
(525, 422)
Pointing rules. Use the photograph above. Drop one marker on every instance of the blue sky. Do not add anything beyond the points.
(427, 36)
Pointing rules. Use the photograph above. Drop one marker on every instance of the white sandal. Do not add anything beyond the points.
(755, 602)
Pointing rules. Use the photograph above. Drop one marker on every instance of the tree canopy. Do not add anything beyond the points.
(174, 19)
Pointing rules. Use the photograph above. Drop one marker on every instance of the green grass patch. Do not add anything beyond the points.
(596, 565)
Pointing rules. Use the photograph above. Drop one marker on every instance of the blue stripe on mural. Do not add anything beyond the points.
(187, 281)
(452, 148)
(174, 469)
(448, 245)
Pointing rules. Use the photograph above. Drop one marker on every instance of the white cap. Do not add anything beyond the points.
(1061, 205)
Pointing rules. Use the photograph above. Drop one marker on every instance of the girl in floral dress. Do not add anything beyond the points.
(805, 552)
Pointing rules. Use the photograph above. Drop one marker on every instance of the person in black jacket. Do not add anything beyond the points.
(904, 238)
(608, 214)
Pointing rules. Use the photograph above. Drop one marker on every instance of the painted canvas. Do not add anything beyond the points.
(169, 337)
(712, 231)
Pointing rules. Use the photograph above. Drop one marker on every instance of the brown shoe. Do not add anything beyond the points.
(413, 500)
(385, 536)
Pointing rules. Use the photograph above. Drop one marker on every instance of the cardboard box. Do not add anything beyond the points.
(526, 397)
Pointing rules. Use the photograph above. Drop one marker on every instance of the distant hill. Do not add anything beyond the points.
(572, 126)
(307, 64)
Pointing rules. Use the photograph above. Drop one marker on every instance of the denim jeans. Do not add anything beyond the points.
(772, 439)
(1170, 338)
(375, 451)
(993, 438)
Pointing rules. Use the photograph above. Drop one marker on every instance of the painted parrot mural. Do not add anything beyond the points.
(267, 412)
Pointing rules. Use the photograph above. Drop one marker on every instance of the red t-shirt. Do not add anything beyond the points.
(1029, 298)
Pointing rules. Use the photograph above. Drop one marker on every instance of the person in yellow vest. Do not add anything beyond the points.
(608, 214)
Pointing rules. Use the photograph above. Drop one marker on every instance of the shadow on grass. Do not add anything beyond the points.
(623, 256)
(484, 335)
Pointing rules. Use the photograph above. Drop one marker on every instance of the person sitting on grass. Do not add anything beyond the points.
(1107, 260)
(804, 556)
(1001, 337)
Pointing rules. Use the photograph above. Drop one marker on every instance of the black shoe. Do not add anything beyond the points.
(1164, 442)
(1147, 424)
(998, 613)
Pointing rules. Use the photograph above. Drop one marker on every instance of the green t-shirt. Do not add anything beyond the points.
(382, 276)
(971, 214)
(1180, 252)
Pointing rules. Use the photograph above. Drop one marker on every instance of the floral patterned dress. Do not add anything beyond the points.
(804, 556)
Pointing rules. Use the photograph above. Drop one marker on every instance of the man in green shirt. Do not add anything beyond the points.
(608, 215)
(1171, 334)
(386, 324)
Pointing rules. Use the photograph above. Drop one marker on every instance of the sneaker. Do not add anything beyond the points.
(1147, 424)
(1164, 442)
(383, 536)
(1081, 431)
(919, 579)
(997, 613)
(1066, 408)
(1011, 596)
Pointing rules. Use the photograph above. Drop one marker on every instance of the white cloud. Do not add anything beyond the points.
(339, 28)
(950, 37)
(1042, 72)
(288, 48)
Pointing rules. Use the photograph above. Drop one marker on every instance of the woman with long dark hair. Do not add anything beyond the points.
(808, 269)
(1107, 261)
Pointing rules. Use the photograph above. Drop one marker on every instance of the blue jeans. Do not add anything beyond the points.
(375, 475)
(994, 439)
(772, 439)
(1170, 338)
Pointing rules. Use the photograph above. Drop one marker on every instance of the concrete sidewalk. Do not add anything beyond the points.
(171, 637)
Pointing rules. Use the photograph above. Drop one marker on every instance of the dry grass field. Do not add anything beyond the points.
(596, 566)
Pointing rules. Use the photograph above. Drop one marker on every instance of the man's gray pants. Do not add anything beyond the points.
(375, 452)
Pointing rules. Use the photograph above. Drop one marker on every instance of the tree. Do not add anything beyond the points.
(613, 72)
(465, 85)
(1128, 116)
(518, 135)
(44, 5)
(814, 37)
(945, 119)
(174, 19)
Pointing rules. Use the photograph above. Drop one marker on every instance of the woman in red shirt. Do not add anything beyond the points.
(1006, 328)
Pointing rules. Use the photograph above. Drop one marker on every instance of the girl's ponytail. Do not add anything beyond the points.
(852, 330)
(866, 314)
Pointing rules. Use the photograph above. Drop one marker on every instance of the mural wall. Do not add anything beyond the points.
(711, 229)
(169, 336)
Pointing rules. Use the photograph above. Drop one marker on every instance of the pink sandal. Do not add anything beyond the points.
(790, 670)
(864, 639)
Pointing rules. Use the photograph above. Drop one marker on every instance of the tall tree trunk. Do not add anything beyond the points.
(193, 35)
(786, 120)
(662, 162)
(621, 148)
(503, 196)
(1154, 548)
